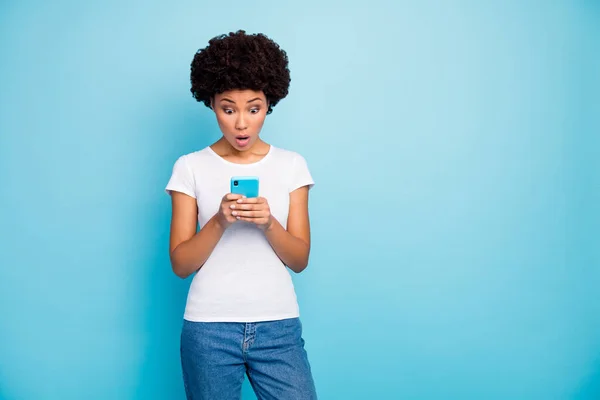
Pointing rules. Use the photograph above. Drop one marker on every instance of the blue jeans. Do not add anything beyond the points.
(216, 355)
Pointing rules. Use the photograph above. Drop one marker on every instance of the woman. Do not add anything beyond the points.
(241, 315)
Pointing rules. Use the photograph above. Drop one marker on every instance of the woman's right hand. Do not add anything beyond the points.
(224, 216)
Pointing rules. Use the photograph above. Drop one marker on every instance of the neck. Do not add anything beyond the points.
(225, 149)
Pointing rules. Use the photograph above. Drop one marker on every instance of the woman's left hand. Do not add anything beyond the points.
(255, 210)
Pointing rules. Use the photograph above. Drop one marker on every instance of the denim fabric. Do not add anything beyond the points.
(216, 355)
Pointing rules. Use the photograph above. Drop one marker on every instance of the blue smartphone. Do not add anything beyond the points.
(245, 185)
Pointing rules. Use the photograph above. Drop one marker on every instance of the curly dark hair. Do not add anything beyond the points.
(240, 61)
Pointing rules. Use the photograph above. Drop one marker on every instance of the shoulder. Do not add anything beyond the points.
(196, 158)
(288, 157)
(185, 173)
(294, 166)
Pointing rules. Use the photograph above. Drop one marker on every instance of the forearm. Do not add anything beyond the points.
(189, 256)
(292, 251)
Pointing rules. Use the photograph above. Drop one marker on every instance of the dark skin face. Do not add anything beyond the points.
(240, 115)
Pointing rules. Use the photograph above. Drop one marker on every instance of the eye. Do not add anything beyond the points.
(228, 111)
(255, 110)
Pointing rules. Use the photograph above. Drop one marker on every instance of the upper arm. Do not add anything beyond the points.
(298, 223)
(184, 219)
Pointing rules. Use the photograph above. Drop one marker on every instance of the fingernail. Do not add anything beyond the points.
(234, 213)
(232, 206)
(239, 201)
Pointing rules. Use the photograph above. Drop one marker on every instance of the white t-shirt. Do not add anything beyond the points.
(243, 280)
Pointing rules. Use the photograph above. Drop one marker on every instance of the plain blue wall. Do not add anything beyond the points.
(455, 217)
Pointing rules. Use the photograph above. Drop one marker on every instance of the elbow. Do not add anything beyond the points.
(299, 266)
(178, 269)
(179, 272)
(301, 261)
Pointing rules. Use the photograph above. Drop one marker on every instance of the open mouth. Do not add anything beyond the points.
(242, 140)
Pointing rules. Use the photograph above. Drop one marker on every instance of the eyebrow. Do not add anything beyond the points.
(249, 101)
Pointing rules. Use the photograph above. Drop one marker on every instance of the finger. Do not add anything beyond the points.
(244, 214)
(248, 214)
(232, 197)
(248, 200)
(257, 221)
(245, 207)
(252, 200)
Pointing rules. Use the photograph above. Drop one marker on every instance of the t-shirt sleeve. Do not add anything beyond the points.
(182, 179)
(300, 174)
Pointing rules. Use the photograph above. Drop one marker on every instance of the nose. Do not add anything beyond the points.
(240, 123)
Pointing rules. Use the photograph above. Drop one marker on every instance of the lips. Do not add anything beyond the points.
(242, 140)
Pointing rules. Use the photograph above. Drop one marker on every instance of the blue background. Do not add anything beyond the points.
(455, 146)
